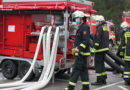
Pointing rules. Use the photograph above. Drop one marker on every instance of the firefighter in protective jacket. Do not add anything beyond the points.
(81, 52)
(126, 43)
(101, 46)
(121, 49)
(120, 52)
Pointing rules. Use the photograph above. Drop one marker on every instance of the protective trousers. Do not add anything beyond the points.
(127, 72)
(100, 66)
(79, 70)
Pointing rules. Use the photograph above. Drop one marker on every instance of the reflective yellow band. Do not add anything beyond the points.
(126, 76)
(85, 83)
(96, 44)
(71, 83)
(104, 73)
(105, 28)
(100, 50)
(66, 88)
(121, 53)
(126, 72)
(127, 59)
(123, 47)
(127, 34)
(82, 45)
(100, 74)
(83, 53)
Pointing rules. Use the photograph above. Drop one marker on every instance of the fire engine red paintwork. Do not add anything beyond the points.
(20, 42)
(0, 1)
(62, 5)
(127, 19)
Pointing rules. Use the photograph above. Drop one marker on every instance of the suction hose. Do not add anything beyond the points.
(116, 58)
(110, 57)
(110, 62)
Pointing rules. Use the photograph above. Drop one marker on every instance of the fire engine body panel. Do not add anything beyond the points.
(126, 17)
(21, 20)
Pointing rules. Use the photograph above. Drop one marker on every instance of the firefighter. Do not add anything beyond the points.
(126, 43)
(81, 51)
(120, 51)
(101, 46)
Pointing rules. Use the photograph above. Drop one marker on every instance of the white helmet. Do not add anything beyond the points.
(99, 18)
(78, 14)
(124, 24)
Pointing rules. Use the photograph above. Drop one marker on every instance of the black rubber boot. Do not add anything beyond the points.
(104, 81)
(71, 87)
(99, 81)
(85, 87)
(127, 83)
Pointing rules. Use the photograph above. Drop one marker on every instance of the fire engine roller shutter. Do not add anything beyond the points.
(14, 31)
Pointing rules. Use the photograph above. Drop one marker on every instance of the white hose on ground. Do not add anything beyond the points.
(47, 54)
(50, 68)
(31, 67)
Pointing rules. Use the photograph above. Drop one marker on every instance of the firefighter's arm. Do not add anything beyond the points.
(119, 39)
(98, 38)
(85, 39)
(122, 46)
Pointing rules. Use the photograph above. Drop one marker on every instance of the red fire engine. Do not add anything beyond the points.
(126, 17)
(21, 20)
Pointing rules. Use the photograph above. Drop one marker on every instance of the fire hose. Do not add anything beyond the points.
(31, 67)
(50, 68)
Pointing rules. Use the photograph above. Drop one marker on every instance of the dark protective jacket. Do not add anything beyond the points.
(82, 40)
(101, 38)
(121, 48)
(126, 43)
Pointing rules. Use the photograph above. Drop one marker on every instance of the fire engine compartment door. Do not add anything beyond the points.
(14, 30)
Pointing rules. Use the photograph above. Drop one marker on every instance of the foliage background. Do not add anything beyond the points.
(112, 10)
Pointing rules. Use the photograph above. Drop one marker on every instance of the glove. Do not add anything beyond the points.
(93, 50)
(73, 51)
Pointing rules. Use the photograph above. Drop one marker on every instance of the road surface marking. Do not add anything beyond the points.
(109, 85)
(122, 88)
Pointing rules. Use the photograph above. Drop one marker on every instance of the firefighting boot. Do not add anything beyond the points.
(70, 88)
(99, 81)
(85, 87)
(127, 82)
(104, 79)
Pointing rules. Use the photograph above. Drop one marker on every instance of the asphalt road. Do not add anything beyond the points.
(114, 82)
